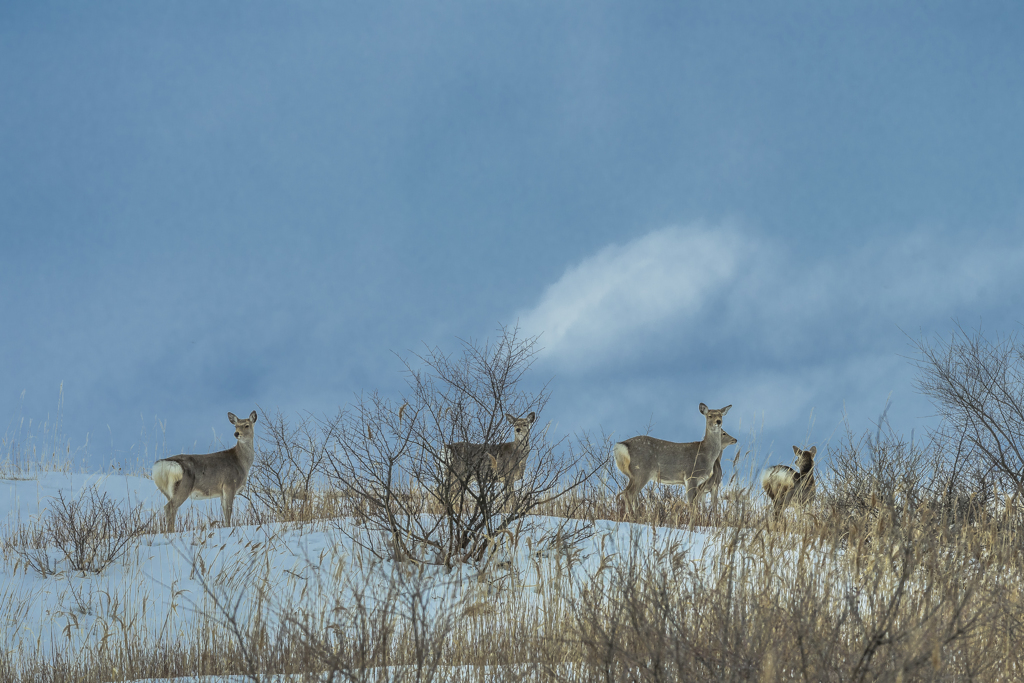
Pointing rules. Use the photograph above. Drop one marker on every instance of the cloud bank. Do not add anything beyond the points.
(704, 285)
(643, 331)
(612, 299)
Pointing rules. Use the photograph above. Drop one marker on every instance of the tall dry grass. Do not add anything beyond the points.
(906, 567)
(889, 575)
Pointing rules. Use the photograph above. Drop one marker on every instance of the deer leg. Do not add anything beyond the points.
(451, 491)
(181, 492)
(632, 491)
(227, 504)
(620, 505)
(691, 490)
(779, 504)
(170, 512)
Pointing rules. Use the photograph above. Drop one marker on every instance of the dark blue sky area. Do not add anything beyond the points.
(208, 206)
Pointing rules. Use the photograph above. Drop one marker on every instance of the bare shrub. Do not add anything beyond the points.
(867, 471)
(408, 625)
(393, 457)
(284, 475)
(977, 386)
(886, 473)
(903, 604)
(91, 532)
(374, 622)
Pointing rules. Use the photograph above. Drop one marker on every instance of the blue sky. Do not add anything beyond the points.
(209, 206)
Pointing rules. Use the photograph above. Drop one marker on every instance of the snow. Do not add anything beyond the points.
(154, 594)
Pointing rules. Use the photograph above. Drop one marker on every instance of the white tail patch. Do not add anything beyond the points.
(166, 475)
(776, 480)
(621, 453)
(783, 485)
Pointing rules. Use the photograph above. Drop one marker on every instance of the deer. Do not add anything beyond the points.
(503, 461)
(213, 475)
(644, 458)
(715, 480)
(784, 485)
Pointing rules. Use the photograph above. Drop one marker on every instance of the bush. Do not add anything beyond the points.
(91, 532)
(977, 386)
(873, 471)
(284, 474)
(392, 457)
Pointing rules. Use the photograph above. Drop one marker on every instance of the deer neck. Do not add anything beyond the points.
(805, 477)
(245, 452)
(712, 442)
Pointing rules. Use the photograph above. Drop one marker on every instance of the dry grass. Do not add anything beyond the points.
(906, 567)
(886, 591)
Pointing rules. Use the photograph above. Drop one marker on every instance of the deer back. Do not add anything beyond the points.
(214, 473)
(502, 460)
(784, 484)
(669, 462)
(510, 459)
(467, 459)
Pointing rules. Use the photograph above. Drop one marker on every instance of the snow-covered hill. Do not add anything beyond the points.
(168, 588)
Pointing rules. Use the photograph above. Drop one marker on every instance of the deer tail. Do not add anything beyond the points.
(621, 455)
(166, 475)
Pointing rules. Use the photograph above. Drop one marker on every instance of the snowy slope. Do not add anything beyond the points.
(155, 595)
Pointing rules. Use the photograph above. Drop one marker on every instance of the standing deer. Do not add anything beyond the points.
(643, 458)
(784, 485)
(505, 461)
(715, 480)
(215, 475)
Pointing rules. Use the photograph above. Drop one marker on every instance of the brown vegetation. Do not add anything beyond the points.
(906, 566)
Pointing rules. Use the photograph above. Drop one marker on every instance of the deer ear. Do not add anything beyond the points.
(703, 409)
(796, 450)
(231, 418)
(252, 416)
(813, 451)
(726, 409)
(531, 417)
(511, 420)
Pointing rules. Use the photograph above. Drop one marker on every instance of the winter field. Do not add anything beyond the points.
(167, 593)
(357, 553)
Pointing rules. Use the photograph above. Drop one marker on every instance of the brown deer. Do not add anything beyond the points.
(715, 480)
(644, 458)
(784, 485)
(214, 475)
(503, 461)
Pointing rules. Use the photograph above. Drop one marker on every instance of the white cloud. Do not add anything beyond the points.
(605, 301)
(704, 298)
(640, 333)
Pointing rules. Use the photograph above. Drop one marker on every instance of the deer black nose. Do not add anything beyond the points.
(236, 435)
